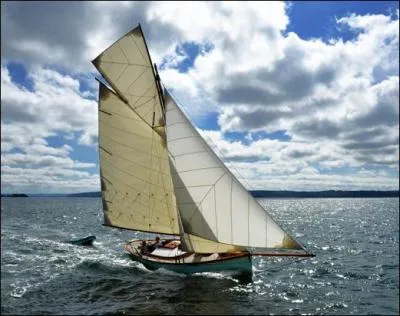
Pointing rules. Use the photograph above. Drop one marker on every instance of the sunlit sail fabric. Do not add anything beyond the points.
(127, 67)
(136, 183)
(212, 203)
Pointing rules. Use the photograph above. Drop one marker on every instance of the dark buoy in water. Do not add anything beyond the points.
(87, 241)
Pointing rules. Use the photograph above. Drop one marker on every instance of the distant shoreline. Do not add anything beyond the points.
(256, 194)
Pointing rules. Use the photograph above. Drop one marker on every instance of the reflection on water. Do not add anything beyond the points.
(355, 270)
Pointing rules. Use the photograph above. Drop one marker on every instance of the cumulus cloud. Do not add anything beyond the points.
(54, 105)
(319, 92)
(337, 101)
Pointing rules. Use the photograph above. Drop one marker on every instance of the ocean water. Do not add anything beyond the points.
(355, 271)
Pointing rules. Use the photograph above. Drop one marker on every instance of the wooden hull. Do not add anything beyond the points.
(192, 263)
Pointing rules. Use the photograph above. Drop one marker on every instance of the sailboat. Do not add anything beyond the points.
(158, 175)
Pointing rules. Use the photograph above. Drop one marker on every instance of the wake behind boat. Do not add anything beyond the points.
(158, 175)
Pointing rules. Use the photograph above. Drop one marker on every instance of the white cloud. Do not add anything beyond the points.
(54, 105)
(337, 101)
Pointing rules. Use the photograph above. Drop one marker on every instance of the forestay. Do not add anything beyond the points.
(212, 203)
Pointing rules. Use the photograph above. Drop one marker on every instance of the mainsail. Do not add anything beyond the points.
(136, 183)
(212, 203)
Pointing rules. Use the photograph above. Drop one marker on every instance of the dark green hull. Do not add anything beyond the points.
(87, 241)
(238, 264)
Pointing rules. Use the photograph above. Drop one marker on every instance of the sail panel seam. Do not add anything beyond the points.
(121, 63)
(134, 176)
(136, 163)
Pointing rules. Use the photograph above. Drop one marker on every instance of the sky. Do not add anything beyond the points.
(291, 95)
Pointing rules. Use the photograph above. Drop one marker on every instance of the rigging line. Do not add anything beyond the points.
(122, 63)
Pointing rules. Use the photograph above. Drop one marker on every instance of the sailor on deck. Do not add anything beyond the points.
(155, 245)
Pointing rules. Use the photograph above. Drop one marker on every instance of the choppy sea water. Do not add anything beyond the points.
(355, 271)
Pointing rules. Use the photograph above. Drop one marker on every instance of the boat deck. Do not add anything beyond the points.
(170, 252)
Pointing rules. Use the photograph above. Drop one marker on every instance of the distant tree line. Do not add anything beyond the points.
(256, 194)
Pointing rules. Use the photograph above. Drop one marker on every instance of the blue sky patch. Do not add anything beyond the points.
(316, 19)
(19, 75)
(190, 50)
(208, 122)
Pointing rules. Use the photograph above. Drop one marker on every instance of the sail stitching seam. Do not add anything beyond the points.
(121, 63)
(122, 72)
(123, 52)
(128, 172)
(137, 78)
(136, 163)
(124, 131)
(145, 102)
(124, 116)
(124, 145)
(132, 187)
(180, 138)
(205, 168)
(134, 41)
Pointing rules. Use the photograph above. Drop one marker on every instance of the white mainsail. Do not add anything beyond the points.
(212, 203)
